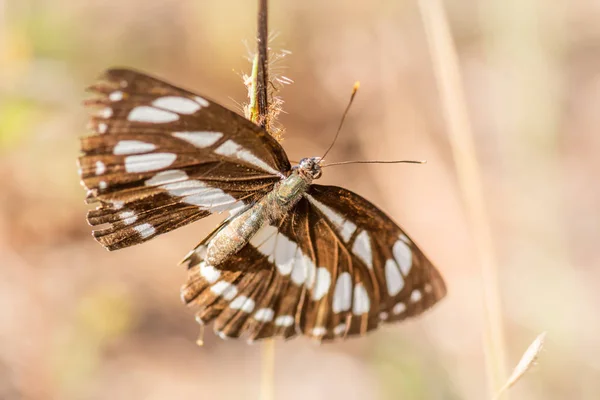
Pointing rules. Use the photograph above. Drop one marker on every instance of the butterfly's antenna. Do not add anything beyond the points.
(354, 90)
(376, 162)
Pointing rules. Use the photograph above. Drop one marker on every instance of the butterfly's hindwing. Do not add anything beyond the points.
(162, 157)
(405, 282)
(336, 304)
(242, 296)
(334, 267)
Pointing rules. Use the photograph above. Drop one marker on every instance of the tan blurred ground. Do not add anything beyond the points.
(77, 322)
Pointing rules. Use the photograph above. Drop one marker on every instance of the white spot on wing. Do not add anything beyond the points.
(393, 278)
(339, 330)
(106, 113)
(403, 256)
(117, 95)
(284, 320)
(201, 101)
(102, 185)
(193, 191)
(399, 308)
(149, 162)
(128, 217)
(222, 335)
(177, 104)
(345, 228)
(285, 251)
(286, 255)
(361, 304)
(342, 295)
(303, 270)
(151, 115)
(145, 230)
(319, 331)
(322, 284)
(165, 177)
(100, 168)
(102, 127)
(210, 273)
(224, 289)
(117, 204)
(212, 199)
(362, 248)
(132, 147)
(229, 148)
(264, 314)
(232, 149)
(415, 295)
(242, 303)
(299, 268)
(199, 139)
(186, 188)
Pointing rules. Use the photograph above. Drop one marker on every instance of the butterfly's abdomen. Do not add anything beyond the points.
(269, 210)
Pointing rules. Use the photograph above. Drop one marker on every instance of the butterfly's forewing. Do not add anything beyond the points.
(336, 266)
(161, 157)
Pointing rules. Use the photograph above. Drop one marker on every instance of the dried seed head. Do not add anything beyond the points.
(528, 359)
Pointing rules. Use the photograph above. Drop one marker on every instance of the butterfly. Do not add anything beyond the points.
(292, 257)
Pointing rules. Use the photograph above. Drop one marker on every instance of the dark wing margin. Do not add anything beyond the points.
(161, 157)
(335, 267)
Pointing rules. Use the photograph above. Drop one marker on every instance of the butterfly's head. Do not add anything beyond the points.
(311, 167)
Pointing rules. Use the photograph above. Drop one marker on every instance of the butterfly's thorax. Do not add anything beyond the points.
(269, 210)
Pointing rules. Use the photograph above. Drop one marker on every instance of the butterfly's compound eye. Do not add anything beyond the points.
(316, 167)
(305, 164)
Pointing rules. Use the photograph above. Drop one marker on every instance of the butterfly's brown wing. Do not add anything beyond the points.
(391, 278)
(336, 266)
(162, 157)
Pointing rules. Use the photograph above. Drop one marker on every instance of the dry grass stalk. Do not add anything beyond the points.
(267, 384)
(446, 68)
(258, 112)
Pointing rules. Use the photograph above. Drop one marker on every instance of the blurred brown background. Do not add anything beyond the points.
(77, 322)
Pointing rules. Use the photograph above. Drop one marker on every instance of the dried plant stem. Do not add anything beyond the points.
(262, 64)
(267, 382)
(445, 64)
(259, 114)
